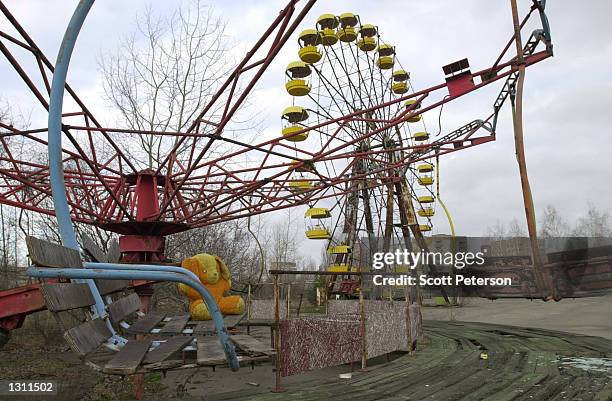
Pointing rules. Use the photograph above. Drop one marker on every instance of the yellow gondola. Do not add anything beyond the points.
(318, 232)
(385, 50)
(309, 39)
(290, 133)
(327, 24)
(299, 185)
(310, 54)
(342, 268)
(339, 268)
(426, 212)
(298, 72)
(307, 167)
(401, 75)
(367, 30)
(348, 19)
(315, 229)
(385, 63)
(294, 115)
(399, 88)
(425, 227)
(426, 180)
(346, 30)
(367, 44)
(317, 213)
(426, 199)
(347, 34)
(425, 168)
(328, 37)
(339, 250)
(410, 102)
(420, 136)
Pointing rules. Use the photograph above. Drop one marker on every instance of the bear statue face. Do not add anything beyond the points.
(210, 269)
(210, 274)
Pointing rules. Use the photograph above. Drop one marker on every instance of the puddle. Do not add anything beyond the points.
(601, 365)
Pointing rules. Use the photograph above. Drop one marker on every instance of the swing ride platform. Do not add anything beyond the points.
(470, 361)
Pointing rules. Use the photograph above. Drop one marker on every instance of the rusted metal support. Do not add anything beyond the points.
(543, 278)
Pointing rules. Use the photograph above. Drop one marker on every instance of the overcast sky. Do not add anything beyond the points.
(567, 99)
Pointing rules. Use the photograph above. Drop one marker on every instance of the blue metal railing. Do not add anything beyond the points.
(62, 210)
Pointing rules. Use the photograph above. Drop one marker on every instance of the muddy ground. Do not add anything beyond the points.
(31, 355)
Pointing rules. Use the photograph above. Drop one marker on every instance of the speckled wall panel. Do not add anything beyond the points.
(386, 329)
(385, 324)
(349, 307)
(342, 307)
(264, 309)
(314, 343)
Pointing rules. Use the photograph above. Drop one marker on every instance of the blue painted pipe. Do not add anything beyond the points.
(56, 171)
(158, 268)
(228, 347)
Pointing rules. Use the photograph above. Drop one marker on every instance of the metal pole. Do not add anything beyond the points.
(277, 346)
(362, 321)
(249, 309)
(288, 299)
(56, 169)
(543, 279)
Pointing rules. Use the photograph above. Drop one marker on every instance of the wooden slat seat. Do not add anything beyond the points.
(167, 348)
(87, 337)
(208, 326)
(145, 324)
(251, 344)
(175, 325)
(127, 360)
(136, 355)
(210, 352)
(48, 254)
(66, 296)
(123, 307)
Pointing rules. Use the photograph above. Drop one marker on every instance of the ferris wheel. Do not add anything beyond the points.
(346, 66)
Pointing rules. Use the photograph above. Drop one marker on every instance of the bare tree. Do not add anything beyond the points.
(594, 223)
(283, 241)
(165, 71)
(552, 224)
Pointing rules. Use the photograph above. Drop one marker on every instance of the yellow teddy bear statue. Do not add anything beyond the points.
(216, 277)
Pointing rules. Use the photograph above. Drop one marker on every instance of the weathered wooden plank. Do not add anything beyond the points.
(126, 361)
(93, 250)
(114, 253)
(107, 287)
(210, 351)
(208, 326)
(166, 349)
(146, 323)
(48, 254)
(88, 336)
(175, 325)
(204, 327)
(123, 307)
(233, 320)
(66, 296)
(250, 344)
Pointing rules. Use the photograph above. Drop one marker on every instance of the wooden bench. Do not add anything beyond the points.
(91, 337)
